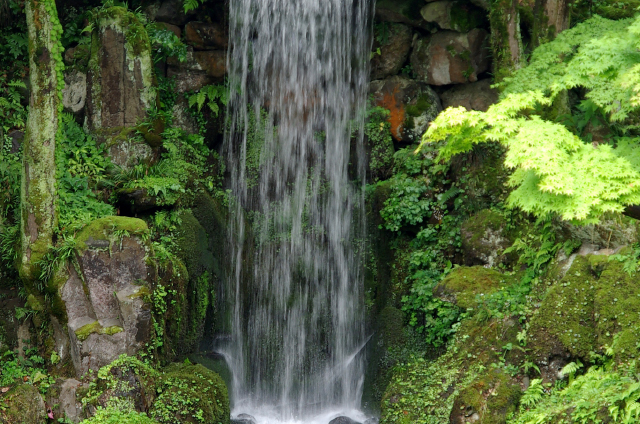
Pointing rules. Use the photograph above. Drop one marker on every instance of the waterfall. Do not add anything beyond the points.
(298, 76)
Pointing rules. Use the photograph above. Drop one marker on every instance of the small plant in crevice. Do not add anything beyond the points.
(378, 136)
(82, 168)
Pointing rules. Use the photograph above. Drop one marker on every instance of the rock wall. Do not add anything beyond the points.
(428, 56)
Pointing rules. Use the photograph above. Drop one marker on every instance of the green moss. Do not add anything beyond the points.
(492, 396)
(191, 393)
(464, 285)
(104, 228)
(34, 303)
(565, 319)
(116, 416)
(85, 331)
(22, 405)
(422, 105)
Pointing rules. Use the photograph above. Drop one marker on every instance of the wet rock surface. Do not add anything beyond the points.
(393, 53)
(107, 315)
(413, 105)
(449, 57)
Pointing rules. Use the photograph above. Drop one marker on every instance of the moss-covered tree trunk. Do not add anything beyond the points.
(38, 170)
(550, 17)
(506, 40)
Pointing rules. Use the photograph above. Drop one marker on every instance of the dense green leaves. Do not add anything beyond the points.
(554, 169)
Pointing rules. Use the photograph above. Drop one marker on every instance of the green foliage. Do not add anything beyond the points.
(115, 415)
(533, 394)
(630, 259)
(81, 166)
(554, 170)
(378, 133)
(424, 202)
(190, 5)
(165, 43)
(182, 170)
(55, 256)
(30, 368)
(599, 395)
(426, 390)
(12, 114)
(212, 95)
(191, 393)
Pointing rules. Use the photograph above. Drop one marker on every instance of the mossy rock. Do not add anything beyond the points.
(193, 245)
(485, 237)
(489, 399)
(425, 391)
(596, 305)
(564, 323)
(99, 232)
(617, 309)
(391, 322)
(191, 394)
(22, 405)
(126, 380)
(464, 285)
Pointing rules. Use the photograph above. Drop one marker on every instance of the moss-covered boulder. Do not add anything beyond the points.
(564, 324)
(595, 306)
(412, 106)
(484, 238)
(190, 394)
(425, 391)
(490, 399)
(465, 286)
(22, 405)
(127, 381)
(105, 296)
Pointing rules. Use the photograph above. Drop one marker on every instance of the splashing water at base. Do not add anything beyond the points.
(298, 73)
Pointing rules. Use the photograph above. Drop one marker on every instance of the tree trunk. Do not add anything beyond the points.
(38, 217)
(506, 41)
(551, 17)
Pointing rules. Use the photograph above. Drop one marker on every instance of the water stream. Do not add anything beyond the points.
(298, 72)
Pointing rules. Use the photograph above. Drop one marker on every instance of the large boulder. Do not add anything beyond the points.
(190, 394)
(456, 15)
(484, 238)
(449, 57)
(74, 93)
(594, 306)
(105, 306)
(120, 78)
(473, 96)
(393, 50)
(464, 285)
(413, 105)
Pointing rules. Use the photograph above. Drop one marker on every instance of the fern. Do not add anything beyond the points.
(212, 94)
(533, 394)
(190, 5)
(553, 169)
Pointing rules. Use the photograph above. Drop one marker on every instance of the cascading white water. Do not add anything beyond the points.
(298, 72)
